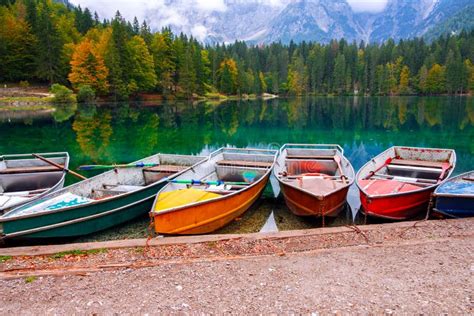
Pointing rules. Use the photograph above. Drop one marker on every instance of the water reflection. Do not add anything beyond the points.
(364, 126)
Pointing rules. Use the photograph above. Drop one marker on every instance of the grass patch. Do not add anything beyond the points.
(63, 254)
(26, 99)
(31, 278)
(5, 258)
(215, 96)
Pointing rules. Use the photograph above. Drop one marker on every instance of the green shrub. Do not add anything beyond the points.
(62, 94)
(86, 94)
(24, 84)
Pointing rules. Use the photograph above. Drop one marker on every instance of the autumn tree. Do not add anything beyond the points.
(88, 68)
(404, 80)
(17, 44)
(436, 80)
(228, 75)
(297, 79)
(142, 72)
(165, 60)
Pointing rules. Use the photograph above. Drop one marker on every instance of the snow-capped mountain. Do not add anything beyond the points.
(265, 21)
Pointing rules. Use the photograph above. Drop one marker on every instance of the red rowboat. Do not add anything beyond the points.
(397, 184)
(314, 179)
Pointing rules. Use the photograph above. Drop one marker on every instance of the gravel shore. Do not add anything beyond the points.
(422, 269)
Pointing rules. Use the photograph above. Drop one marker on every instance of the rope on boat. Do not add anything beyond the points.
(151, 234)
(358, 231)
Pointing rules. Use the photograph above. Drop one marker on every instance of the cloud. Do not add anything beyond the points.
(211, 5)
(368, 5)
(199, 31)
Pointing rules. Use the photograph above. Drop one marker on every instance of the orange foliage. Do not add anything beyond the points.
(88, 67)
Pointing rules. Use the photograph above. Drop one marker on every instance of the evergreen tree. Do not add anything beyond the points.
(49, 46)
(340, 74)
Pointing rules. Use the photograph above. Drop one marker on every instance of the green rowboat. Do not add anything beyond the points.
(95, 204)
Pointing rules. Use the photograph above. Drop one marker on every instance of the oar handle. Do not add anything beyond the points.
(337, 159)
(99, 167)
(60, 167)
(207, 182)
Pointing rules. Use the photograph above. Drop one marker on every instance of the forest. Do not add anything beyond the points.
(46, 42)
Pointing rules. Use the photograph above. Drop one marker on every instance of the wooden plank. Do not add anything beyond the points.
(165, 168)
(310, 157)
(244, 163)
(30, 169)
(418, 163)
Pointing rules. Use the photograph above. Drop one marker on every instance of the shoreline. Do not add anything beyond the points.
(43, 102)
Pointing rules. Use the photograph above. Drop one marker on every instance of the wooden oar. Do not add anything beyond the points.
(100, 167)
(371, 173)
(468, 179)
(60, 167)
(337, 159)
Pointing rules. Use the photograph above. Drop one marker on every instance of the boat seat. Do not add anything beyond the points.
(165, 168)
(414, 168)
(114, 189)
(419, 163)
(244, 163)
(33, 169)
(310, 157)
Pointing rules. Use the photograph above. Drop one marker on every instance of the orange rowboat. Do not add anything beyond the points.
(213, 193)
(314, 179)
(398, 183)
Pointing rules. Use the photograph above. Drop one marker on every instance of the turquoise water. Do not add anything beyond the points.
(121, 133)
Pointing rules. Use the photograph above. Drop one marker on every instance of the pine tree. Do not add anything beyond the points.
(340, 74)
(49, 45)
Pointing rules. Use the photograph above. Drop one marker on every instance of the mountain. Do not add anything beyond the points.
(464, 19)
(264, 21)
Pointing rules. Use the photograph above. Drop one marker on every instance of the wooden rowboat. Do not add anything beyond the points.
(25, 177)
(314, 179)
(398, 183)
(100, 202)
(455, 197)
(213, 193)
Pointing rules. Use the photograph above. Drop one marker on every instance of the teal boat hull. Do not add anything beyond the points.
(84, 219)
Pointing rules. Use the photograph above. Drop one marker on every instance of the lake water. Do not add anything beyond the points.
(124, 132)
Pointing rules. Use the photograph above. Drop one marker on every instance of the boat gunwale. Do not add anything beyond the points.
(223, 197)
(96, 202)
(72, 221)
(319, 197)
(455, 195)
(54, 188)
(397, 194)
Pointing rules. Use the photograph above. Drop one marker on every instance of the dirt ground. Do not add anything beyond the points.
(428, 268)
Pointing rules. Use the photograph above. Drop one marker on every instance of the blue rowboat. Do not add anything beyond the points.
(455, 197)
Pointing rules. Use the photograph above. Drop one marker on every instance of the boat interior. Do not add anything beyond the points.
(320, 170)
(29, 176)
(113, 183)
(408, 170)
(462, 185)
(226, 172)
